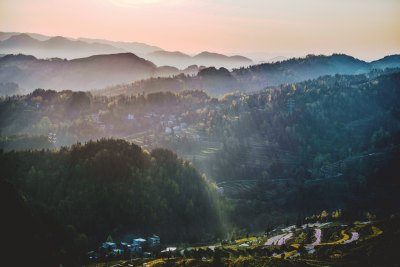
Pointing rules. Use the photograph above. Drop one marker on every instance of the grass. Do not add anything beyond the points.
(295, 245)
(337, 242)
(286, 254)
(107, 264)
(243, 240)
(375, 232)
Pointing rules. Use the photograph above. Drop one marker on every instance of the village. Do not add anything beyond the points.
(312, 242)
(139, 247)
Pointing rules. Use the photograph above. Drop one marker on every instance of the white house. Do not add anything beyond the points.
(109, 245)
(168, 130)
(131, 117)
(176, 129)
(169, 249)
(138, 241)
(153, 241)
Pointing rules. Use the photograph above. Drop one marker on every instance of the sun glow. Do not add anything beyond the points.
(135, 3)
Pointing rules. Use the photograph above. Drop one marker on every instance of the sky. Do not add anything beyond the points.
(367, 29)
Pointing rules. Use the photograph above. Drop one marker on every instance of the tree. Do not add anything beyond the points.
(109, 239)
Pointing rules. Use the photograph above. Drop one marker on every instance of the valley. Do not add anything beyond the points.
(187, 133)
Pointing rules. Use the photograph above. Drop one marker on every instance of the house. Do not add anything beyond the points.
(109, 246)
(131, 117)
(96, 117)
(136, 248)
(168, 130)
(138, 241)
(147, 254)
(126, 247)
(150, 115)
(92, 255)
(168, 249)
(137, 245)
(176, 129)
(153, 241)
(118, 251)
(52, 137)
(220, 190)
(196, 137)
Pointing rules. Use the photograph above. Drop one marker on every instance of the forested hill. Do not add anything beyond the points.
(330, 142)
(112, 187)
(300, 69)
(217, 81)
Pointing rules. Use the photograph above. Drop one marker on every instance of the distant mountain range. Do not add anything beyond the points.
(54, 47)
(42, 46)
(207, 59)
(100, 71)
(139, 49)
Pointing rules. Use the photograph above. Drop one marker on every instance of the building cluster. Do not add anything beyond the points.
(139, 247)
(52, 138)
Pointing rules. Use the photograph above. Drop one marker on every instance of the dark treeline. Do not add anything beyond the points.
(89, 191)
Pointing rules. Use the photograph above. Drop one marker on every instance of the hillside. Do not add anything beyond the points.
(77, 74)
(340, 242)
(299, 69)
(50, 241)
(334, 138)
(387, 62)
(276, 156)
(112, 187)
(218, 81)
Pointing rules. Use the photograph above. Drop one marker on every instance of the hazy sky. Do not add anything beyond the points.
(363, 28)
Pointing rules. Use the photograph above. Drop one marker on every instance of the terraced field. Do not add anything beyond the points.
(281, 247)
(237, 186)
(312, 244)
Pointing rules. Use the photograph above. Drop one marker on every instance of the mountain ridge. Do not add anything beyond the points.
(57, 46)
(78, 74)
(42, 46)
(208, 59)
(256, 77)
